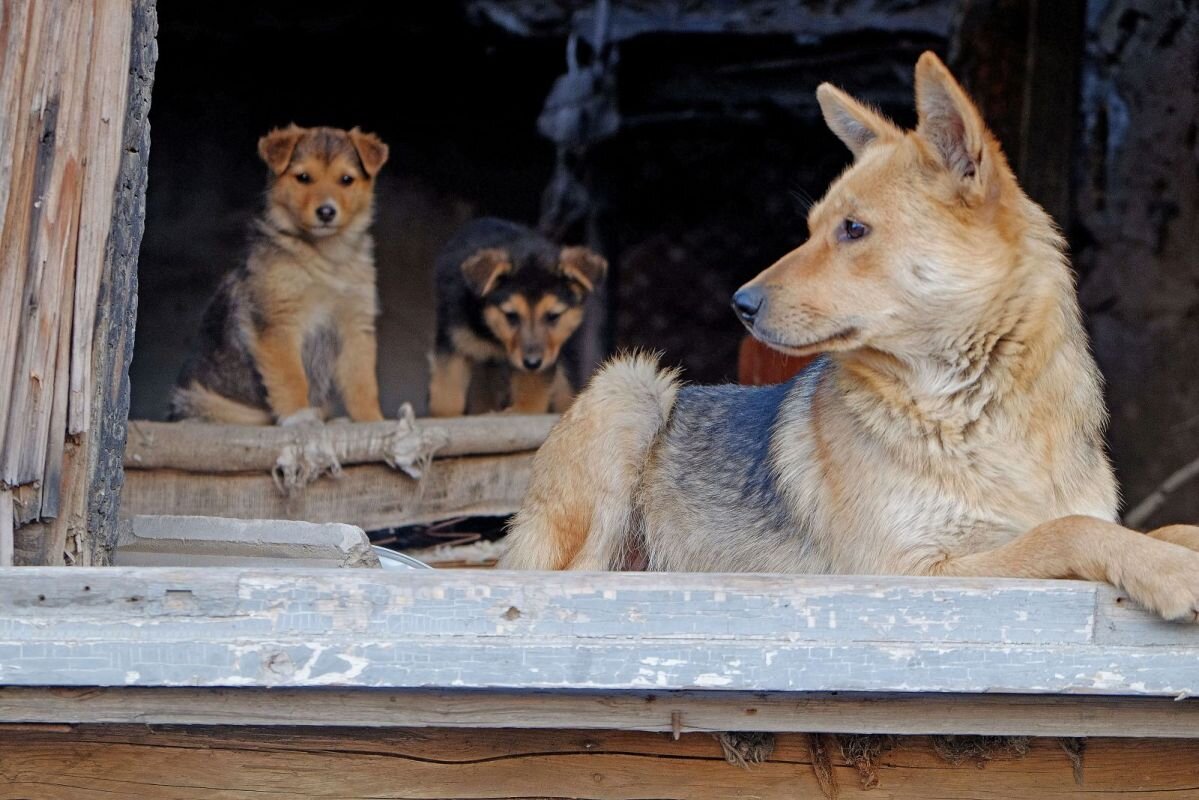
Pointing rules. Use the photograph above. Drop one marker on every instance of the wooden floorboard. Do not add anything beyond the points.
(136, 762)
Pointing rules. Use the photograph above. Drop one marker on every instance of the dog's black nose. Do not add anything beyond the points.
(747, 302)
(532, 362)
(326, 213)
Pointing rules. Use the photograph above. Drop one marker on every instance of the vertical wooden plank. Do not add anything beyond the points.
(14, 33)
(108, 81)
(1051, 104)
(97, 504)
(24, 62)
(56, 207)
(6, 527)
(57, 416)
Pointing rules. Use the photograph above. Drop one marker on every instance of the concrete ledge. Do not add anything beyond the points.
(176, 541)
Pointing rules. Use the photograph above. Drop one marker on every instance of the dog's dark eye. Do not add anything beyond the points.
(852, 229)
(512, 317)
(304, 177)
(346, 180)
(552, 316)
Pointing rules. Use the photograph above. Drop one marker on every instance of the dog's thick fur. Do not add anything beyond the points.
(506, 295)
(293, 330)
(953, 428)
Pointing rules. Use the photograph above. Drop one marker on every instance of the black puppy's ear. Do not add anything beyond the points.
(583, 265)
(484, 268)
(371, 150)
(277, 146)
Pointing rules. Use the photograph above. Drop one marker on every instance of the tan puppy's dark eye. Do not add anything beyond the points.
(552, 316)
(851, 229)
(346, 180)
(304, 177)
(512, 317)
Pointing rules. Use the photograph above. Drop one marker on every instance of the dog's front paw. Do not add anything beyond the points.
(1184, 535)
(1167, 583)
(305, 416)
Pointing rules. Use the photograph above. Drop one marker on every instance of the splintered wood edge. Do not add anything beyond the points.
(682, 712)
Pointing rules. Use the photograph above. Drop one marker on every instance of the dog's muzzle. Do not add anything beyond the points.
(747, 302)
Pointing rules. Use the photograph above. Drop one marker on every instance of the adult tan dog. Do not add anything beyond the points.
(954, 428)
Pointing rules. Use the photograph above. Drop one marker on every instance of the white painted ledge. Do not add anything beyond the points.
(589, 641)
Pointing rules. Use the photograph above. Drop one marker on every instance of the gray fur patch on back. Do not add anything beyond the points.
(728, 430)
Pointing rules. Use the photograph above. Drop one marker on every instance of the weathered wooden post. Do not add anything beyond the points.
(75, 79)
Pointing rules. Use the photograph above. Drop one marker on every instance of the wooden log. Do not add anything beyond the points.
(369, 496)
(204, 448)
(276, 763)
(691, 711)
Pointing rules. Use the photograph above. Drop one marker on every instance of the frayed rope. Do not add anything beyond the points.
(407, 447)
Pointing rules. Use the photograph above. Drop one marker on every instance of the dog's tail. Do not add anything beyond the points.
(579, 509)
(197, 402)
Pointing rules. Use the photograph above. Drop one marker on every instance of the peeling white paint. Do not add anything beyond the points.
(711, 679)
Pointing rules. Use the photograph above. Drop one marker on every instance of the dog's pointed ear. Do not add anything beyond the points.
(950, 122)
(855, 123)
(277, 147)
(371, 150)
(584, 266)
(484, 268)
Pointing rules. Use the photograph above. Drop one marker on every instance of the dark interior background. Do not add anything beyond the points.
(718, 151)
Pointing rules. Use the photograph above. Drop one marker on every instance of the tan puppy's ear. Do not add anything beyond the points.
(950, 122)
(854, 123)
(277, 146)
(371, 151)
(483, 269)
(583, 265)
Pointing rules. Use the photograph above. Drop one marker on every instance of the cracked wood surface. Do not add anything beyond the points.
(461, 630)
(238, 764)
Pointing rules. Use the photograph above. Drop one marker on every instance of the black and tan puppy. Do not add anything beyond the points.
(293, 330)
(507, 295)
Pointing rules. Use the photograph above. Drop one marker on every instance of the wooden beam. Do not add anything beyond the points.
(704, 711)
(139, 763)
(461, 630)
(369, 496)
(198, 447)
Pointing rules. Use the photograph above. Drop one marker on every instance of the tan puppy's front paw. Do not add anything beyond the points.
(1167, 583)
(305, 416)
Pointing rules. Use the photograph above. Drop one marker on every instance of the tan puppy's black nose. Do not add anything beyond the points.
(532, 362)
(747, 302)
(326, 213)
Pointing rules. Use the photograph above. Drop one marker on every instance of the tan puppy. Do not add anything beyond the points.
(954, 428)
(293, 329)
